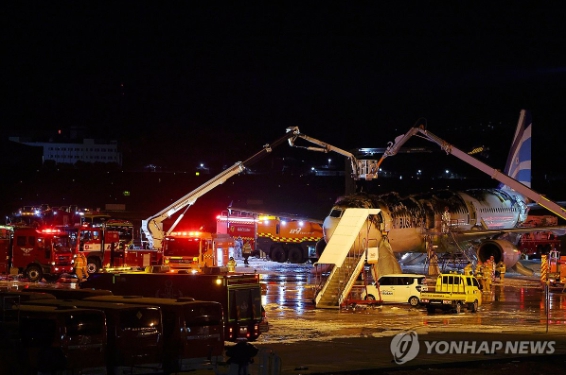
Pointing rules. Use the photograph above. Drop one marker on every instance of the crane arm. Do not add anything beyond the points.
(325, 147)
(153, 226)
(494, 173)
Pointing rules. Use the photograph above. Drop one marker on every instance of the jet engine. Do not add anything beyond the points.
(502, 250)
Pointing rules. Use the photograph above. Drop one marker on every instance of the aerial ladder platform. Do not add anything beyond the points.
(346, 264)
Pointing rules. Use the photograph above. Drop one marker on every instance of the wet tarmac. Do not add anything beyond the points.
(307, 340)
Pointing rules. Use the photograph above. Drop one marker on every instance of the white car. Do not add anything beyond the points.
(397, 288)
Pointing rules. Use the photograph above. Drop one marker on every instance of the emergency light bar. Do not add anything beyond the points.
(236, 219)
(186, 234)
(50, 231)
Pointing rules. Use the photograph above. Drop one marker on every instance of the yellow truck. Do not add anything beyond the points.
(452, 293)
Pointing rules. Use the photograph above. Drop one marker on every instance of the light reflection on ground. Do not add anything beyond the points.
(515, 305)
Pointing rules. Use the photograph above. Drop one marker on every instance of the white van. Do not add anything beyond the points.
(397, 288)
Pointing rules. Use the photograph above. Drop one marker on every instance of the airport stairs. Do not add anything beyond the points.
(340, 282)
(346, 254)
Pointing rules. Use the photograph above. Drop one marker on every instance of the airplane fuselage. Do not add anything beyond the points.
(409, 221)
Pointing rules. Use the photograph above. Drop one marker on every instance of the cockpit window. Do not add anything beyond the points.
(335, 213)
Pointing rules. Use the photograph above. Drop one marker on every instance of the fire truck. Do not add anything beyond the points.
(239, 294)
(534, 244)
(35, 252)
(556, 268)
(108, 245)
(195, 251)
(280, 239)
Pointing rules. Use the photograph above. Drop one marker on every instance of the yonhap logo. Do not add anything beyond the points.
(405, 347)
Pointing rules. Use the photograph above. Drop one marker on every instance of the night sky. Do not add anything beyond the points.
(219, 80)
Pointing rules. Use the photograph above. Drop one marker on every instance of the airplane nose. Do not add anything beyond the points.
(328, 227)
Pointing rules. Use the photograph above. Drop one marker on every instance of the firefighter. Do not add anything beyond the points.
(487, 278)
(501, 269)
(479, 274)
(492, 267)
(433, 268)
(231, 265)
(468, 269)
(246, 252)
(81, 267)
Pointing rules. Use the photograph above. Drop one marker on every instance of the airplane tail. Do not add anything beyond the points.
(518, 164)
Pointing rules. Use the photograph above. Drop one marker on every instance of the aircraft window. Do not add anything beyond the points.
(335, 213)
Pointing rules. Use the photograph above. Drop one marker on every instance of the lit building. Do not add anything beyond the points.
(90, 151)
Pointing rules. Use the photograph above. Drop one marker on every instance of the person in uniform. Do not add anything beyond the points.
(231, 265)
(487, 276)
(468, 269)
(433, 268)
(501, 269)
(247, 252)
(493, 267)
(479, 274)
(80, 266)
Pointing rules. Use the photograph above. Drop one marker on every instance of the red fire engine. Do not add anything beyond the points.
(194, 250)
(35, 252)
(279, 238)
(107, 245)
(556, 268)
(534, 244)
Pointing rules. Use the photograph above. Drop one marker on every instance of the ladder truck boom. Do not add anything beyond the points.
(494, 173)
(152, 227)
(325, 147)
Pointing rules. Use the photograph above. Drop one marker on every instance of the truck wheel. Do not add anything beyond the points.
(430, 309)
(295, 255)
(278, 254)
(92, 265)
(414, 301)
(458, 308)
(474, 306)
(370, 297)
(34, 273)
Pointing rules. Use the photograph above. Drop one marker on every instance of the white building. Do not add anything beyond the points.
(90, 151)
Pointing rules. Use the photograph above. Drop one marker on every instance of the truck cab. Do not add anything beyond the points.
(453, 292)
(36, 252)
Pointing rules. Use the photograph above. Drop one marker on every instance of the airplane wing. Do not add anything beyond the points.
(536, 206)
(558, 230)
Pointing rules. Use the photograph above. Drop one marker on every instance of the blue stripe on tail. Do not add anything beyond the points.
(519, 160)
